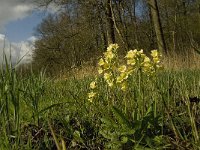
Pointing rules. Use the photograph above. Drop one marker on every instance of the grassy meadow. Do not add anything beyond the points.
(142, 110)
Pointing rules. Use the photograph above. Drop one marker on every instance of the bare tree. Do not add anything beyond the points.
(157, 25)
(110, 23)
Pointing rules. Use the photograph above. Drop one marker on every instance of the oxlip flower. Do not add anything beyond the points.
(154, 53)
(91, 96)
(101, 62)
(122, 68)
(131, 54)
(93, 85)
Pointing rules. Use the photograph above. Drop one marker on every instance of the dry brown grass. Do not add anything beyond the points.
(189, 60)
(174, 61)
(78, 72)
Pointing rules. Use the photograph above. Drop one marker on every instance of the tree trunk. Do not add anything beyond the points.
(101, 27)
(135, 25)
(110, 23)
(157, 25)
(199, 8)
(152, 33)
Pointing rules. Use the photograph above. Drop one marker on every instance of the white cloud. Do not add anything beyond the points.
(25, 51)
(18, 51)
(11, 10)
(53, 8)
(32, 39)
(2, 37)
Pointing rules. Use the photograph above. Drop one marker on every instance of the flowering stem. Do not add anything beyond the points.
(125, 103)
(140, 95)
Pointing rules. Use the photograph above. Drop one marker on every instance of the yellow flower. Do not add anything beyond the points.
(147, 65)
(110, 83)
(140, 52)
(91, 96)
(146, 59)
(112, 47)
(131, 54)
(115, 46)
(123, 76)
(143, 56)
(148, 68)
(90, 100)
(101, 62)
(156, 60)
(154, 53)
(130, 70)
(119, 79)
(159, 66)
(107, 76)
(131, 62)
(122, 68)
(124, 86)
(100, 70)
(93, 85)
(109, 55)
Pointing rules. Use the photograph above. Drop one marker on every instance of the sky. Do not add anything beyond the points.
(18, 21)
(21, 29)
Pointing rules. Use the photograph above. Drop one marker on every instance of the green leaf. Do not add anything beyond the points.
(77, 136)
(129, 132)
(109, 122)
(121, 118)
(49, 107)
(124, 139)
(142, 148)
(158, 139)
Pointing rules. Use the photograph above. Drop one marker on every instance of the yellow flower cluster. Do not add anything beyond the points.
(138, 60)
(156, 59)
(123, 75)
(92, 94)
(107, 64)
(115, 74)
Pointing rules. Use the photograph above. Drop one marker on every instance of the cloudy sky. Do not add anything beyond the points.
(18, 19)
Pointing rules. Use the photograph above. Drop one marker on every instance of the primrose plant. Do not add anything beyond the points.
(117, 75)
(121, 79)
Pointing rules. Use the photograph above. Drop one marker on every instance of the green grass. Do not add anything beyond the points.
(41, 113)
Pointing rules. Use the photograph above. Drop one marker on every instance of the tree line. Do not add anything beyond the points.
(82, 29)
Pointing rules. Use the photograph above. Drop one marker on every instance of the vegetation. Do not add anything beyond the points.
(135, 99)
(82, 29)
(132, 106)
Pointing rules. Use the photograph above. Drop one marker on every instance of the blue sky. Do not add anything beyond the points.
(22, 29)
(18, 20)
(19, 33)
